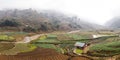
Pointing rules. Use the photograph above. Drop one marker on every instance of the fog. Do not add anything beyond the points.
(97, 11)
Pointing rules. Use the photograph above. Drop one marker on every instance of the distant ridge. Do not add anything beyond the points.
(31, 20)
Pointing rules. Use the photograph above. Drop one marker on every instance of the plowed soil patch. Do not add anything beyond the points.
(80, 58)
(38, 54)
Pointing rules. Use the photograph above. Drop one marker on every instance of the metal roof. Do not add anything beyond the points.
(79, 44)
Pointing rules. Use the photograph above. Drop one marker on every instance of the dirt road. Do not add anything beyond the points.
(28, 39)
(74, 31)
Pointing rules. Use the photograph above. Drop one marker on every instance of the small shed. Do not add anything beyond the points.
(79, 44)
(80, 48)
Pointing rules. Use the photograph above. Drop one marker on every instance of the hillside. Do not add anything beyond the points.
(114, 23)
(31, 20)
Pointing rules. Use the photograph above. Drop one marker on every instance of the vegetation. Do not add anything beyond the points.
(40, 21)
(12, 36)
(6, 38)
(51, 46)
(78, 51)
(10, 23)
(6, 46)
(29, 29)
(106, 49)
(19, 48)
(53, 42)
(51, 36)
(42, 37)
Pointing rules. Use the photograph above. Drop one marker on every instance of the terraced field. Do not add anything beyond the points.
(6, 46)
(14, 49)
(109, 47)
(80, 58)
(59, 42)
(13, 36)
(57, 47)
(41, 54)
(6, 38)
(38, 54)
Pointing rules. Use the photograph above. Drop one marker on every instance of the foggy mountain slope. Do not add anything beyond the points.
(33, 20)
(89, 25)
(71, 19)
(114, 23)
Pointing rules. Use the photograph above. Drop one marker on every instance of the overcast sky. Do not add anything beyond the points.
(97, 11)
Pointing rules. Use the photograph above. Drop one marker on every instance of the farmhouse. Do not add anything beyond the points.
(80, 48)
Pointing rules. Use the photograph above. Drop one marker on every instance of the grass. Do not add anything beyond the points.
(51, 36)
(78, 36)
(73, 36)
(16, 35)
(6, 46)
(78, 51)
(47, 38)
(19, 48)
(49, 41)
(106, 49)
(42, 37)
(13, 33)
(6, 38)
(46, 45)
(51, 46)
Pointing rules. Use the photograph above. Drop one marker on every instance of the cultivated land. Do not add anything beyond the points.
(59, 46)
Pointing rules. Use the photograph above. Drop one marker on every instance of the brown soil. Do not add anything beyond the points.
(6, 46)
(40, 54)
(80, 58)
(118, 58)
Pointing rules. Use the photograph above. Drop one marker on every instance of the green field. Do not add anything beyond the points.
(62, 38)
(18, 48)
(106, 48)
(6, 38)
(13, 36)
(53, 41)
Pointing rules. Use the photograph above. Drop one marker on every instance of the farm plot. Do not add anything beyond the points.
(18, 48)
(105, 49)
(6, 38)
(38, 54)
(51, 40)
(10, 36)
(73, 36)
(6, 46)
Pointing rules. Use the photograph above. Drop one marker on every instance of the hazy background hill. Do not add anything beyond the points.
(114, 23)
(45, 20)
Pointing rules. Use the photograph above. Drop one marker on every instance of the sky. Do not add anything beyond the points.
(96, 11)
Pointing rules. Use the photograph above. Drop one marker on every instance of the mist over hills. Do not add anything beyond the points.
(31, 20)
(114, 23)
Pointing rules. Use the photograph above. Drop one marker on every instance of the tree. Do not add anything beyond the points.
(10, 23)
(29, 29)
(43, 27)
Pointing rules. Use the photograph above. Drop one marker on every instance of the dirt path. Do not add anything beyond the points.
(74, 31)
(28, 39)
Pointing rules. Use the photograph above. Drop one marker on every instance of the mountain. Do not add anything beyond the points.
(114, 23)
(45, 20)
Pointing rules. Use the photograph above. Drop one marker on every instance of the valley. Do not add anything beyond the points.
(61, 44)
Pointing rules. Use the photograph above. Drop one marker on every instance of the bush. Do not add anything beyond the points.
(10, 23)
(29, 29)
